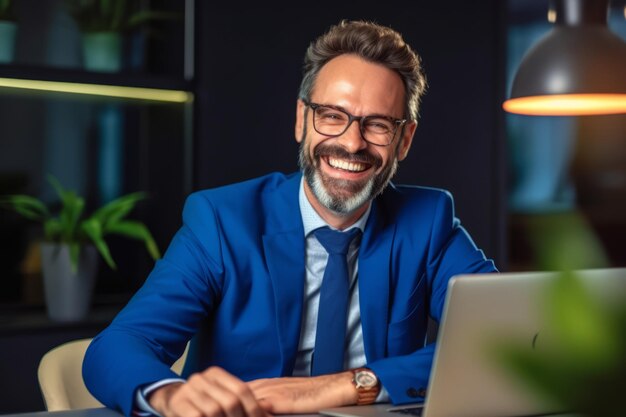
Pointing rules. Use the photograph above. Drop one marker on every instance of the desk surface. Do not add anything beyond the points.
(93, 412)
(105, 412)
(89, 412)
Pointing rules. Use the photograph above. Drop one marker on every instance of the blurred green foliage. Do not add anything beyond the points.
(114, 15)
(581, 366)
(7, 11)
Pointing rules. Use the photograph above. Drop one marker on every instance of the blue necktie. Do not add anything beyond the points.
(332, 314)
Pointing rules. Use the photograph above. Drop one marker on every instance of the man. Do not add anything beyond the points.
(246, 272)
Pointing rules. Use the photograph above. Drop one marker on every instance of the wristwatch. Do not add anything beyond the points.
(366, 384)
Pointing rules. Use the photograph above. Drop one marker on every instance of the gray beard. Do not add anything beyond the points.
(327, 190)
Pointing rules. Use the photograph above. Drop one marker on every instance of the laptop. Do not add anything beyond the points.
(465, 381)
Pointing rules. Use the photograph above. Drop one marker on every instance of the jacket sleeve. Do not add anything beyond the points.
(451, 251)
(151, 331)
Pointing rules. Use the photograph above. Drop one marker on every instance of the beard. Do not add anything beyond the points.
(341, 196)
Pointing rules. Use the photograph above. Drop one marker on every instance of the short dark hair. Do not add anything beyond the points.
(373, 43)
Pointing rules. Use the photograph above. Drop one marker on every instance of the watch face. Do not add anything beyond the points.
(365, 379)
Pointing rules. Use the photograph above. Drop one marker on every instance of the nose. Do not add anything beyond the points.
(352, 140)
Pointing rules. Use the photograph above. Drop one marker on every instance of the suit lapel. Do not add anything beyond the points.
(374, 276)
(283, 244)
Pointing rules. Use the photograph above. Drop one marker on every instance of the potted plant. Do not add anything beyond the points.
(72, 242)
(8, 29)
(103, 24)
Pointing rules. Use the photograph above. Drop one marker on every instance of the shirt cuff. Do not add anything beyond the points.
(142, 407)
(383, 396)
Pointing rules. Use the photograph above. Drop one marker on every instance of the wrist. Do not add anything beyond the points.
(159, 398)
(349, 393)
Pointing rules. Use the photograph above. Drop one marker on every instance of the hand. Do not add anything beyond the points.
(295, 395)
(211, 393)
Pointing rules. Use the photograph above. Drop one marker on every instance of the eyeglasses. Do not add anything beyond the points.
(332, 122)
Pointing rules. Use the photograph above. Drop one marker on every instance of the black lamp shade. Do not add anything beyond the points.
(580, 62)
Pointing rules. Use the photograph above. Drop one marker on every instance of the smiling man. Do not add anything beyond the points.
(308, 290)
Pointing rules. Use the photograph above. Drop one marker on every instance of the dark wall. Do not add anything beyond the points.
(249, 68)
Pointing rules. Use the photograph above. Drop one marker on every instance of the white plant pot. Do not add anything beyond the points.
(102, 51)
(68, 293)
(7, 41)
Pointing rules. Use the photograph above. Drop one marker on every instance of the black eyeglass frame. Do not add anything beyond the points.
(352, 118)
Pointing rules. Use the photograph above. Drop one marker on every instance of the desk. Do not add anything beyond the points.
(94, 412)
(89, 412)
(105, 412)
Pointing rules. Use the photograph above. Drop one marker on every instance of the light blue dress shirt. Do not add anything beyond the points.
(315, 261)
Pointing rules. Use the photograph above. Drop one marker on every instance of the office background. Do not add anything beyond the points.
(243, 66)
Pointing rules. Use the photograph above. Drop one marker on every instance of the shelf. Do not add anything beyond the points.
(34, 321)
(117, 85)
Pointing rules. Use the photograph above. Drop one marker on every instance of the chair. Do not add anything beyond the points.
(61, 381)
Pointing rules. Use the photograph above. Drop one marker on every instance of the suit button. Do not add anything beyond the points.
(414, 393)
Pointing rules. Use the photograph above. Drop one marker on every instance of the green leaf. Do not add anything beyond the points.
(136, 230)
(27, 206)
(537, 372)
(564, 241)
(581, 324)
(116, 11)
(93, 229)
(52, 230)
(118, 208)
(70, 215)
(74, 255)
(145, 16)
(6, 10)
(71, 210)
(56, 185)
(113, 15)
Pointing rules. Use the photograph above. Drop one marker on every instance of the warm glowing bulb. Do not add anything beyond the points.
(567, 104)
(551, 15)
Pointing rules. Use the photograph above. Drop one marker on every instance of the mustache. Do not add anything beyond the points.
(334, 151)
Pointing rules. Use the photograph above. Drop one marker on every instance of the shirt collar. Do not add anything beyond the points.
(311, 220)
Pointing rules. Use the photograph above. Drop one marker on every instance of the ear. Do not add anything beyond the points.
(299, 130)
(406, 140)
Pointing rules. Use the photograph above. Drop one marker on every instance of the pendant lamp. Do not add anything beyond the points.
(577, 68)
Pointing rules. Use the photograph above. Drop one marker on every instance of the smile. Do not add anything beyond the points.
(347, 165)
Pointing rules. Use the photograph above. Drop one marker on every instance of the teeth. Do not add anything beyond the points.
(347, 166)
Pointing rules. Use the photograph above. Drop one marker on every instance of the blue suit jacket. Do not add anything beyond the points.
(236, 270)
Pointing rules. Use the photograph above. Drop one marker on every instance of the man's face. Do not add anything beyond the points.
(344, 173)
